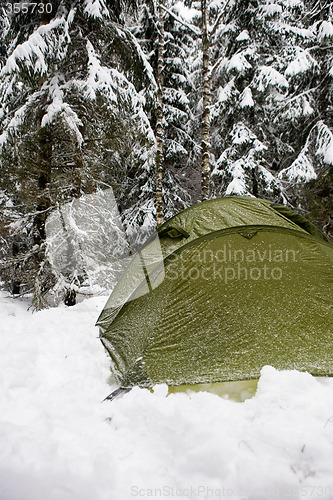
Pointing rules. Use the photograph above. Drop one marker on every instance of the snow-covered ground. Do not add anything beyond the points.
(59, 442)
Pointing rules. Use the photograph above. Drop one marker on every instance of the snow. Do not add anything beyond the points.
(270, 181)
(325, 31)
(238, 62)
(243, 35)
(59, 107)
(300, 170)
(96, 8)
(17, 119)
(238, 184)
(100, 77)
(224, 29)
(297, 107)
(287, 28)
(259, 146)
(302, 63)
(268, 76)
(86, 234)
(246, 99)
(223, 94)
(319, 144)
(33, 51)
(307, 108)
(292, 4)
(324, 143)
(58, 441)
(110, 82)
(175, 96)
(241, 134)
(270, 10)
(185, 12)
(147, 67)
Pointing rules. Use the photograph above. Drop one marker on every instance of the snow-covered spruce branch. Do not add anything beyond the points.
(185, 134)
(212, 31)
(293, 98)
(319, 47)
(191, 27)
(30, 214)
(288, 101)
(134, 43)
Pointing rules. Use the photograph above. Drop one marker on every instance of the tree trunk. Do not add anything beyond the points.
(159, 121)
(44, 277)
(43, 200)
(44, 155)
(76, 190)
(205, 123)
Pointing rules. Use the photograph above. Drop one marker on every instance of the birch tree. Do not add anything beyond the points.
(206, 100)
(160, 118)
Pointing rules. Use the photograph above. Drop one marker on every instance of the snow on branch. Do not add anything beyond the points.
(238, 184)
(285, 29)
(325, 31)
(100, 77)
(143, 59)
(18, 118)
(300, 170)
(238, 63)
(96, 9)
(246, 99)
(297, 107)
(318, 144)
(241, 134)
(32, 52)
(60, 108)
(324, 143)
(268, 76)
(191, 27)
(302, 63)
(116, 87)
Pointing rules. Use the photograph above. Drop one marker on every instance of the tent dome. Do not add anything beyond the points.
(222, 289)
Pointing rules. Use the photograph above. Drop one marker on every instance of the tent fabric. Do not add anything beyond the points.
(225, 287)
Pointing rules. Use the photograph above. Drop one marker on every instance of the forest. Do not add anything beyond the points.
(115, 115)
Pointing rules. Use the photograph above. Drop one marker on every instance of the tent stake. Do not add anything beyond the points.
(117, 392)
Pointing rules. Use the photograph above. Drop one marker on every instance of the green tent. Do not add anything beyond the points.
(225, 287)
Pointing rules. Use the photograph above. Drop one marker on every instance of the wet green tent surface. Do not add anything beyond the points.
(227, 286)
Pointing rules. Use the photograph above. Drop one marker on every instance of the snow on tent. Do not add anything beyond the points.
(225, 287)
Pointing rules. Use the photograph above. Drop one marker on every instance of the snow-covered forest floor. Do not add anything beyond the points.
(59, 442)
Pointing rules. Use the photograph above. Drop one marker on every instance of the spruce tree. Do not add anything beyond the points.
(73, 122)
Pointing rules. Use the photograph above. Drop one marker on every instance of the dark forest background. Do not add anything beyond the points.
(101, 114)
